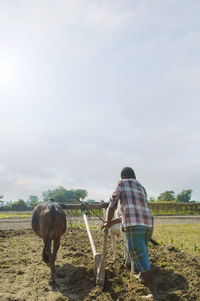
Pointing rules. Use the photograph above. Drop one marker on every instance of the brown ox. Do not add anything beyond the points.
(49, 222)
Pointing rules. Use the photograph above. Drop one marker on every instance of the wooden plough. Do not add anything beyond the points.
(99, 258)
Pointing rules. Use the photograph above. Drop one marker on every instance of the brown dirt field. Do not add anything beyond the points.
(23, 275)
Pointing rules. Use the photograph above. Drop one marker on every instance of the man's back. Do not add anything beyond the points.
(134, 205)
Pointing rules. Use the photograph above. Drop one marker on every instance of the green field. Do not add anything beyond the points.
(184, 237)
(14, 214)
(173, 208)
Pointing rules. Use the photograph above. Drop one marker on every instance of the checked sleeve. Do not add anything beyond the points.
(116, 196)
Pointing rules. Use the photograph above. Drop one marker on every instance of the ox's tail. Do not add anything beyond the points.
(52, 211)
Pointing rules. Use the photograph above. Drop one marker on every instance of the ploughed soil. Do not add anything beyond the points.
(23, 275)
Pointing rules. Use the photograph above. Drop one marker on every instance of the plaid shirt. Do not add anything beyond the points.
(134, 205)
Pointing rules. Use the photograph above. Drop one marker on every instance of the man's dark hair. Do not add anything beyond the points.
(128, 173)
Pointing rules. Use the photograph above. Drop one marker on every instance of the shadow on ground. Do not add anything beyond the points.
(73, 282)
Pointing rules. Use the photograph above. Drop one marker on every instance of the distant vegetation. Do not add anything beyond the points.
(167, 203)
(174, 208)
(169, 196)
(15, 206)
(60, 194)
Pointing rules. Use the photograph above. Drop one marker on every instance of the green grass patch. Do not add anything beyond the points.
(15, 214)
(181, 236)
(76, 225)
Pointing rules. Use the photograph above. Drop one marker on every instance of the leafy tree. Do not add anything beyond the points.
(61, 195)
(167, 196)
(184, 196)
(31, 199)
(33, 204)
(19, 205)
(80, 193)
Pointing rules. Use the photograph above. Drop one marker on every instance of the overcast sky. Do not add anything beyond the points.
(88, 87)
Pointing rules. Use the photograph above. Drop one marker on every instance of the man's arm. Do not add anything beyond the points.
(117, 220)
(112, 207)
(110, 222)
(111, 212)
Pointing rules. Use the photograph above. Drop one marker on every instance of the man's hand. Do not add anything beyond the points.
(106, 225)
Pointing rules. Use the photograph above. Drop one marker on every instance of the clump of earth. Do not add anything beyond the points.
(23, 275)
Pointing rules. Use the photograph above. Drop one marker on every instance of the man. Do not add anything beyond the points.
(137, 222)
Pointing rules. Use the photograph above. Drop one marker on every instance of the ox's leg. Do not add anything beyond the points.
(50, 257)
(127, 259)
(126, 253)
(112, 236)
(56, 245)
(46, 251)
(45, 257)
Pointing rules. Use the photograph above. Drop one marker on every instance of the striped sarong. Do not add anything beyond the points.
(137, 240)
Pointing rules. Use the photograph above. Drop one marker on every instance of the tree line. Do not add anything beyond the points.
(169, 196)
(62, 195)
